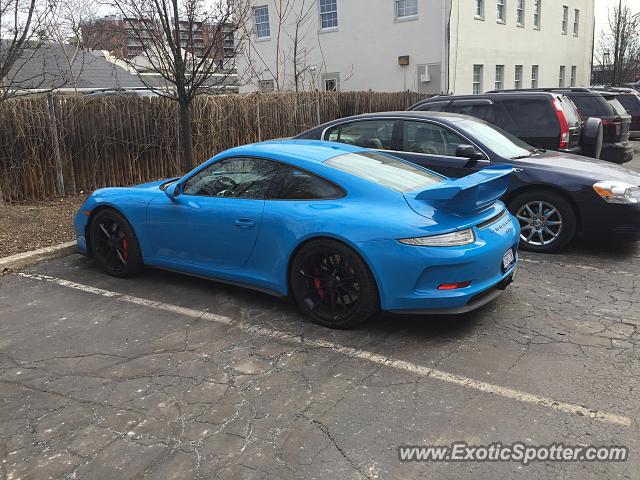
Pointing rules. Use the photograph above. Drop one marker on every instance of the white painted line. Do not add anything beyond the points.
(372, 357)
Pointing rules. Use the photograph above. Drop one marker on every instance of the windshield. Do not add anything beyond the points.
(385, 170)
(500, 142)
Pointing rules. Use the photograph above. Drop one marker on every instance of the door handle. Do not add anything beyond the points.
(245, 223)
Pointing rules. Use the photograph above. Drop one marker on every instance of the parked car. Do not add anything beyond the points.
(630, 100)
(296, 217)
(543, 119)
(616, 122)
(554, 195)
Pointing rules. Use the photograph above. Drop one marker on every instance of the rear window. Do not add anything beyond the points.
(570, 111)
(592, 106)
(630, 102)
(617, 106)
(385, 170)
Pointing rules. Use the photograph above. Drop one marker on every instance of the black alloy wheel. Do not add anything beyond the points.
(333, 285)
(114, 245)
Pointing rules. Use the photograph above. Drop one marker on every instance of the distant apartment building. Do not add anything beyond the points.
(126, 38)
(429, 46)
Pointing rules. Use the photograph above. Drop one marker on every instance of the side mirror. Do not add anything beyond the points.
(173, 191)
(468, 151)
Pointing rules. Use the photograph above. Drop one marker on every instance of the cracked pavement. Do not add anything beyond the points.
(92, 387)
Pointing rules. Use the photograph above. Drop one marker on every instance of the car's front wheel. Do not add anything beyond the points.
(114, 244)
(333, 285)
(547, 221)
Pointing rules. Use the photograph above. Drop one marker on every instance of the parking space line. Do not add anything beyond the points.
(351, 352)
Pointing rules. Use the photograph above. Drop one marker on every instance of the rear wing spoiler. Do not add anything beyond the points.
(470, 194)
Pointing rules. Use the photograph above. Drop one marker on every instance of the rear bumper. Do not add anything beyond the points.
(617, 152)
(408, 277)
(475, 302)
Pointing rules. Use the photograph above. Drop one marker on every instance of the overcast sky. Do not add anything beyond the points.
(602, 7)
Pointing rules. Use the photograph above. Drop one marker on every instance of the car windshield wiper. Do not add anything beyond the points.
(520, 157)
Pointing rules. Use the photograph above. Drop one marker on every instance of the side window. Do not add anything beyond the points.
(367, 134)
(233, 177)
(433, 107)
(483, 110)
(294, 184)
(530, 115)
(421, 137)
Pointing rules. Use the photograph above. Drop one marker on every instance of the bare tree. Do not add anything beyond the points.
(22, 25)
(619, 48)
(64, 28)
(184, 42)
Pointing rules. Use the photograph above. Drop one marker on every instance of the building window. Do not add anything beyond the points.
(499, 77)
(477, 79)
(534, 76)
(518, 77)
(537, 12)
(331, 82)
(266, 86)
(561, 77)
(574, 72)
(565, 18)
(501, 13)
(520, 13)
(328, 13)
(576, 22)
(262, 21)
(479, 9)
(406, 8)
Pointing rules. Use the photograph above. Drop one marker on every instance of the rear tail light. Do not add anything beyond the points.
(453, 286)
(565, 135)
(614, 127)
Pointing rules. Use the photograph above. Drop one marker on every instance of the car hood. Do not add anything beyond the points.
(155, 184)
(585, 167)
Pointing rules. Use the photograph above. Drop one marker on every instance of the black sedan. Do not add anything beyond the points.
(554, 195)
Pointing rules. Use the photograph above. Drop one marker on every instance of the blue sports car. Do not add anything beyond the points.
(344, 230)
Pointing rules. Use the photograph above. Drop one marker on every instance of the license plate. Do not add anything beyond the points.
(508, 259)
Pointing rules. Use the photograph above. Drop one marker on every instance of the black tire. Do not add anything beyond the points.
(333, 285)
(535, 228)
(114, 244)
(592, 135)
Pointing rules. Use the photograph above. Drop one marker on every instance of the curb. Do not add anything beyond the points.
(27, 259)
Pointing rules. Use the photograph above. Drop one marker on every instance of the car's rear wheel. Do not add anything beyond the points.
(333, 285)
(547, 221)
(114, 244)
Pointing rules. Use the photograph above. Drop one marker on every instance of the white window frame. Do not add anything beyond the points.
(408, 6)
(267, 22)
(537, 14)
(499, 80)
(266, 86)
(479, 10)
(576, 22)
(478, 72)
(562, 76)
(331, 77)
(328, 12)
(501, 11)
(520, 6)
(565, 19)
(535, 75)
(574, 74)
(517, 77)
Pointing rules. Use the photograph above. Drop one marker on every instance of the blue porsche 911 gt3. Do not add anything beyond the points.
(344, 230)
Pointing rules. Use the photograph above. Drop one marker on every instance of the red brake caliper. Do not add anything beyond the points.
(318, 286)
(125, 248)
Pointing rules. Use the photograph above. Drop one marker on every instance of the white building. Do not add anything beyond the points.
(429, 46)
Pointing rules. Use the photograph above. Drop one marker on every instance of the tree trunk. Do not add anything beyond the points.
(186, 136)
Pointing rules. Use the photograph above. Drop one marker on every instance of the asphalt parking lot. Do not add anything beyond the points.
(166, 376)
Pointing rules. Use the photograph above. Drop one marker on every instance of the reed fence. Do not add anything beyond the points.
(55, 146)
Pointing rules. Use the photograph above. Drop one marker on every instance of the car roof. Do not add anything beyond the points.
(499, 94)
(311, 150)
